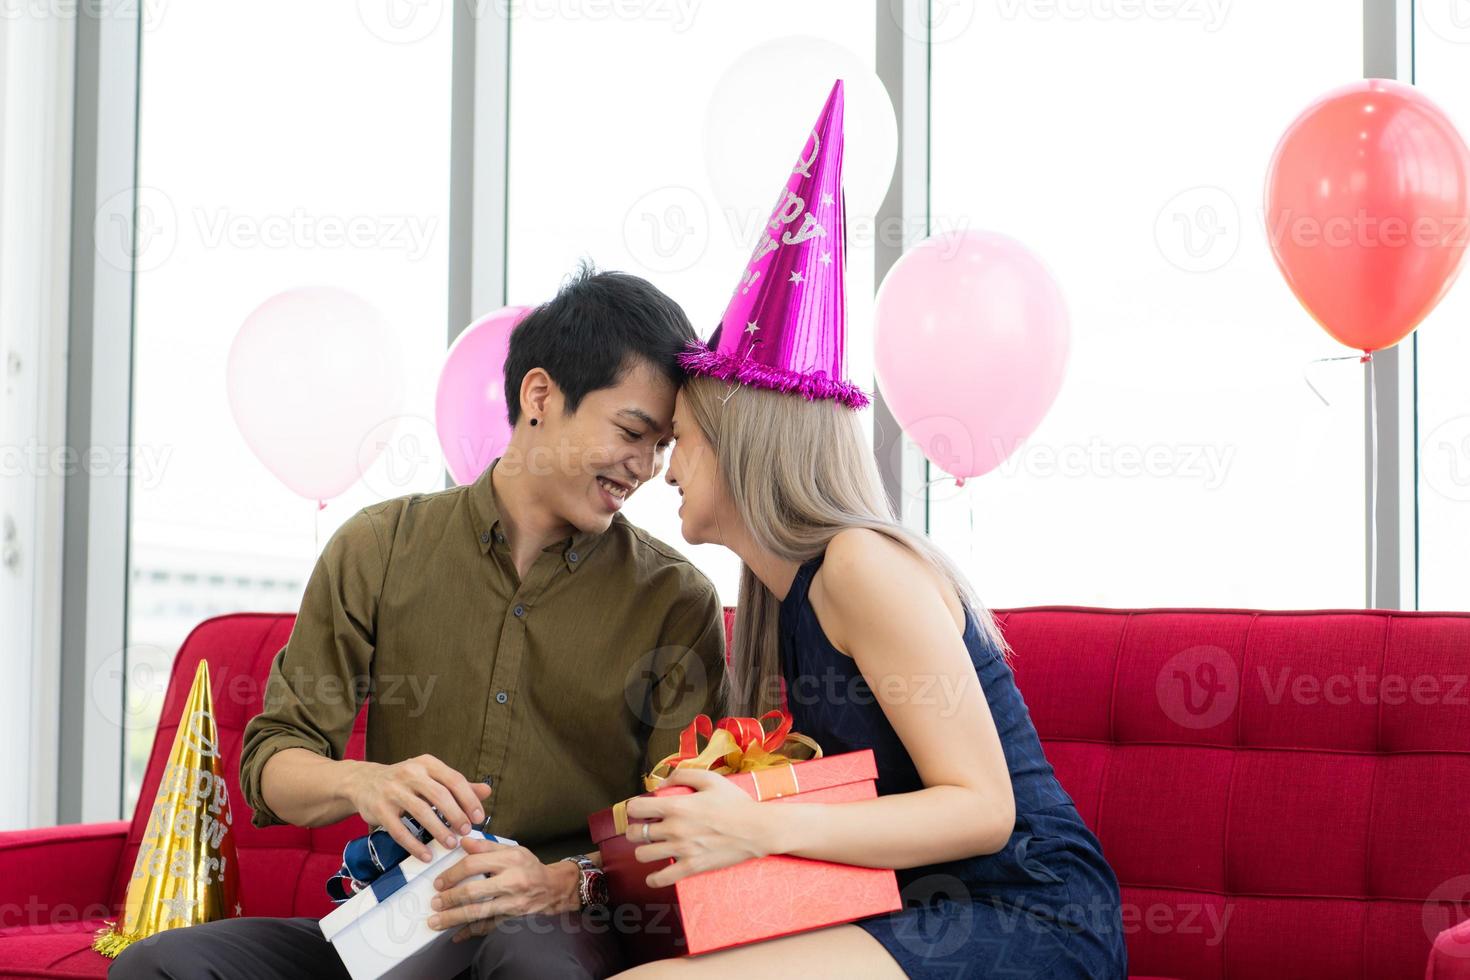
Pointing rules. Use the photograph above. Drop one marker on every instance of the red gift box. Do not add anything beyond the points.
(758, 899)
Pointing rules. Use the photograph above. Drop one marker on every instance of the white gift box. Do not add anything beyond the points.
(383, 930)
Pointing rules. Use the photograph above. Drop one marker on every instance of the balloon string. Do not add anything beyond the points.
(316, 529)
(1319, 360)
(971, 495)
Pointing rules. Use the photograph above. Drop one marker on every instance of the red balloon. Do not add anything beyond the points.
(1367, 198)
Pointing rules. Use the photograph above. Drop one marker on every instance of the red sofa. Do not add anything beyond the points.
(1282, 794)
(65, 877)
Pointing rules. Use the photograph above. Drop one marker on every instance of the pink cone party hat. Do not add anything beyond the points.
(785, 328)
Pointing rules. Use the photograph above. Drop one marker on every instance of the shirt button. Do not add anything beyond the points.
(520, 610)
(502, 697)
(572, 556)
(500, 537)
(484, 537)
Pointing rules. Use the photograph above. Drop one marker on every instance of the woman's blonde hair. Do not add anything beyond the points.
(798, 472)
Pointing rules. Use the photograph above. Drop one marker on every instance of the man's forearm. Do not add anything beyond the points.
(307, 789)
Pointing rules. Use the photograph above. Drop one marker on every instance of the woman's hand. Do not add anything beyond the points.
(716, 826)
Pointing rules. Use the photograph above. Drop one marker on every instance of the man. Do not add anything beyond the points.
(530, 654)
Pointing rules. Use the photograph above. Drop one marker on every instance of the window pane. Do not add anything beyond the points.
(610, 122)
(36, 92)
(299, 145)
(1187, 460)
(1442, 70)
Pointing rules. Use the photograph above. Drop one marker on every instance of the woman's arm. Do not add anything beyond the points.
(884, 606)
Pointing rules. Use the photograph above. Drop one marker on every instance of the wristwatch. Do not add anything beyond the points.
(592, 883)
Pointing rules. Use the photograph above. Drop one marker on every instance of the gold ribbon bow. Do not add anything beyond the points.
(734, 745)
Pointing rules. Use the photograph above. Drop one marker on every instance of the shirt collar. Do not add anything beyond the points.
(574, 549)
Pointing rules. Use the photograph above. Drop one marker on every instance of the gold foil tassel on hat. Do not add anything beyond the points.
(186, 872)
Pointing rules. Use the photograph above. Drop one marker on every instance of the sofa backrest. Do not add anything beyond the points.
(1281, 794)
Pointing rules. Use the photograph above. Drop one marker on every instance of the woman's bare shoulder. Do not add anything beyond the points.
(858, 562)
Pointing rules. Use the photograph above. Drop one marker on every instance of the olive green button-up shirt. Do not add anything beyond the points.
(560, 690)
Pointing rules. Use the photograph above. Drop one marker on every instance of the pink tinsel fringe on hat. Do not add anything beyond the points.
(699, 359)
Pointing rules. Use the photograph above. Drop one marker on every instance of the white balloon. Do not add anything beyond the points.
(312, 373)
(762, 110)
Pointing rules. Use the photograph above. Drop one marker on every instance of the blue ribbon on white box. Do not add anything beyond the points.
(375, 861)
(368, 862)
(383, 897)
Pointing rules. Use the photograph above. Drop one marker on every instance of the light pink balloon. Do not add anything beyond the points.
(469, 408)
(971, 338)
(313, 372)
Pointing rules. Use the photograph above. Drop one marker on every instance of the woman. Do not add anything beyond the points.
(881, 645)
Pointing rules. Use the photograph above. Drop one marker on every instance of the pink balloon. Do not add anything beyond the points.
(469, 409)
(971, 338)
(311, 374)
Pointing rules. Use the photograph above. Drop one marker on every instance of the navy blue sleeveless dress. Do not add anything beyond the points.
(1045, 905)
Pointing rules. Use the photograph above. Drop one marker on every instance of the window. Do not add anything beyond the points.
(305, 144)
(36, 120)
(1187, 461)
(1442, 70)
(623, 140)
(1198, 454)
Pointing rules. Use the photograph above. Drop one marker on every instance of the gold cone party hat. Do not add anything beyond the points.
(186, 872)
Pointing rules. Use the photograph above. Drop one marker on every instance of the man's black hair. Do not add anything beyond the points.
(595, 330)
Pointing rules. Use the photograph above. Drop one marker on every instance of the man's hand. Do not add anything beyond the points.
(519, 884)
(381, 794)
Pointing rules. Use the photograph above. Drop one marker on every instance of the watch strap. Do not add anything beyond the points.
(587, 870)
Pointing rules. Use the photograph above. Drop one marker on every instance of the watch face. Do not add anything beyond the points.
(597, 888)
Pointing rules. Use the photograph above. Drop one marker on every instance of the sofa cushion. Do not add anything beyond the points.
(62, 949)
(1280, 793)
